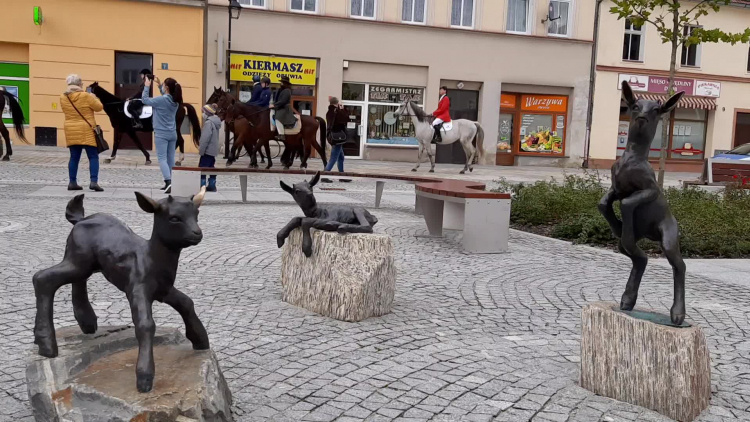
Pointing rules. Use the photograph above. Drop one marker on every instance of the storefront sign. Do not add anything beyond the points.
(660, 85)
(395, 94)
(544, 103)
(300, 71)
(507, 101)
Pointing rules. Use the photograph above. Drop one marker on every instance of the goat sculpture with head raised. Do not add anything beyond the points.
(645, 211)
(340, 218)
(143, 269)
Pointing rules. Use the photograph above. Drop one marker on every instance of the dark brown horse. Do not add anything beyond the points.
(260, 129)
(18, 120)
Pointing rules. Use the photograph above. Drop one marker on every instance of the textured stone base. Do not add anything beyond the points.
(93, 379)
(662, 368)
(348, 277)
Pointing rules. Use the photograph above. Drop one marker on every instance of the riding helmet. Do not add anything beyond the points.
(256, 78)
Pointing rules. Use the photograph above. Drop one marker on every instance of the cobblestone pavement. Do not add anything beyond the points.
(471, 337)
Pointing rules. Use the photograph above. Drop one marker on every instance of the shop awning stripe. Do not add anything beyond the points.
(702, 103)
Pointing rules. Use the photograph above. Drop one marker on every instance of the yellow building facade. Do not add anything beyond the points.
(101, 40)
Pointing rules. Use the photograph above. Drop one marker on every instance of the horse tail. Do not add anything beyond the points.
(16, 113)
(194, 122)
(74, 211)
(323, 132)
(479, 143)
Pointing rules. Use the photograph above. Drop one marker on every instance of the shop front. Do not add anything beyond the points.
(302, 72)
(688, 122)
(531, 125)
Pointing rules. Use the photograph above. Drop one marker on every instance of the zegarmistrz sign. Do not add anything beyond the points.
(300, 71)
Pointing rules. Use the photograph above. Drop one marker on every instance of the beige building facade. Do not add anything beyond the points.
(713, 115)
(526, 81)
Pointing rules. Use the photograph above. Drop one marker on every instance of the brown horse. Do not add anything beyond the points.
(18, 120)
(240, 126)
(260, 129)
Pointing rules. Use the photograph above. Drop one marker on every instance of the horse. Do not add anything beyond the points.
(260, 129)
(470, 134)
(228, 128)
(18, 120)
(122, 124)
(242, 135)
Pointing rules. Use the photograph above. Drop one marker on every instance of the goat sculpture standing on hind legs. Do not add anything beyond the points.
(645, 211)
(143, 269)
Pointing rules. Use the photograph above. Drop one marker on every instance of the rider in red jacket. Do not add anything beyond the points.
(442, 114)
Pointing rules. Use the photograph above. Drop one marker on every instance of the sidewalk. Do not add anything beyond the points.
(58, 157)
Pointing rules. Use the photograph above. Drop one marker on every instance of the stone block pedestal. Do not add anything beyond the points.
(348, 277)
(662, 368)
(93, 379)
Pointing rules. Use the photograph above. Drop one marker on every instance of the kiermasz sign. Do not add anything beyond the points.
(300, 71)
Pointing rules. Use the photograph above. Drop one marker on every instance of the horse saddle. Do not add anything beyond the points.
(294, 129)
(447, 127)
(146, 111)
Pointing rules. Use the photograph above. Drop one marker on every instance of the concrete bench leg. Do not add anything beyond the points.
(185, 183)
(432, 209)
(378, 192)
(417, 205)
(453, 215)
(243, 187)
(486, 225)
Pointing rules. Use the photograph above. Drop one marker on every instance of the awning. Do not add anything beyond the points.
(702, 103)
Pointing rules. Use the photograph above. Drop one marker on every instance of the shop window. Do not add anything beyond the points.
(686, 142)
(541, 121)
(462, 13)
(742, 131)
(353, 92)
(518, 16)
(561, 13)
(414, 11)
(309, 6)
(363, 9)
(632, 48)
(260, 4)
(691, 54)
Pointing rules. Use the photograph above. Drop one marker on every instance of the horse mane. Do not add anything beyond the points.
(104, 95)
(419, 113)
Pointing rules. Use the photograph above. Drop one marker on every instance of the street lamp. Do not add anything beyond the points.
(235, 9)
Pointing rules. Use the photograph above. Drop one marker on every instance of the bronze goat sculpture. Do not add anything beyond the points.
(340, 218)
(645, 211)
(143, 269)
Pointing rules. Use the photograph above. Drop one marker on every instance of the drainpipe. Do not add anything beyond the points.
(592, 83)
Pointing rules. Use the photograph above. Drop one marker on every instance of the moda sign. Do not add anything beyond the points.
(660, 85)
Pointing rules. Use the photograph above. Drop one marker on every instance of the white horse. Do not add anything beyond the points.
(469, 133)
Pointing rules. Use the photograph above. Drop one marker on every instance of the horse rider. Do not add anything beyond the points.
(257, 88)
(442, 114)
(264, 97)
(282, 104)
(136, 107)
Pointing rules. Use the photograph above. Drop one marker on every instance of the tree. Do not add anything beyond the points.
(680, 27)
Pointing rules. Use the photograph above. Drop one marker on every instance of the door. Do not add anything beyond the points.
(127, 83)
(742, 129)
(354, 131)
(464, 105)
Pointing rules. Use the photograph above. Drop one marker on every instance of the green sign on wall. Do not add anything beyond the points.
(15, 78)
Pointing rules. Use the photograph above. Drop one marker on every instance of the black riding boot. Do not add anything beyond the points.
(135, 110)
(437, 138)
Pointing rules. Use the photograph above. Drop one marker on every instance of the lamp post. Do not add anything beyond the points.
(235, 9)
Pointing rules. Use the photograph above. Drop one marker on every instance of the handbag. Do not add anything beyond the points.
(101, 144)
(338, 137)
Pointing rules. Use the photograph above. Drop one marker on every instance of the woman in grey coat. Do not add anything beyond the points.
(282, 103)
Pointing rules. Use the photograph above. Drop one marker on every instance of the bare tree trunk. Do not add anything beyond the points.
(666, 122)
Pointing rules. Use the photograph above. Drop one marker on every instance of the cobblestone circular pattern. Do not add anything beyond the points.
(471, 337)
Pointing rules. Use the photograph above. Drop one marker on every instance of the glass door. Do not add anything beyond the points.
(355, 131)
(127, 83)
(505, 133)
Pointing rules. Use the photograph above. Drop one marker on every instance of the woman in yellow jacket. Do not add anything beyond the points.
(79, 132)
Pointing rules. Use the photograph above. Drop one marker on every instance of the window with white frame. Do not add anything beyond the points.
(309, 6)
(260, 4)
(462, 13)
(363, 9)
(691, 55)
(414, 11)
(561, 13)
(518, 16)
(632, 47)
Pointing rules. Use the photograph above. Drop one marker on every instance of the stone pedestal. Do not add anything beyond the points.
(93, 379)
(666, 369)
(348, 277)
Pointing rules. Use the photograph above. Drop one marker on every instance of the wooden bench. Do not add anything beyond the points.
(722, 170)
(448, 204)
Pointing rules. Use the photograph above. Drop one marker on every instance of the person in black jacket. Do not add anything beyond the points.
(135, 107)
(337, 117)
(257, 89)
(282, 104)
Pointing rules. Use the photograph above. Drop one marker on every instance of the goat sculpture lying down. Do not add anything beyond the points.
(144, 269)
(341, 218)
